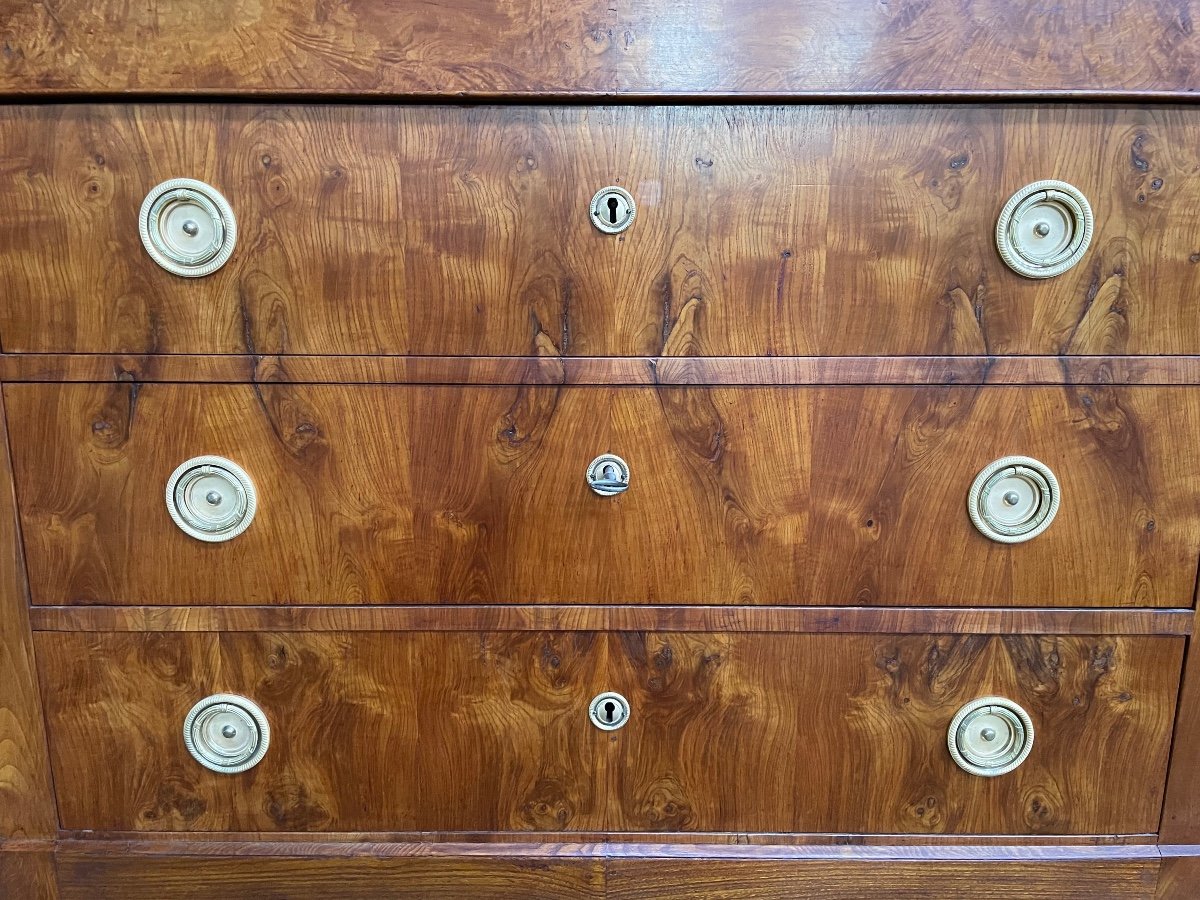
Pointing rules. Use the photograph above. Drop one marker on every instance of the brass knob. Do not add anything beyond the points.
(187, 227)
(211, 498)
(226, 733)
(1044, 229)
(990, 736)
(1014, 499)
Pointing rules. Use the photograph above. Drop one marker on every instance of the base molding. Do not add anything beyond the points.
(138, 869)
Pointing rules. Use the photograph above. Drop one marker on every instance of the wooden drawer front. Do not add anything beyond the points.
(803, 230)
(458, 731)
(478, 495)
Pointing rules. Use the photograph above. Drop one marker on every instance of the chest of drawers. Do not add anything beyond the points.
(570, 450)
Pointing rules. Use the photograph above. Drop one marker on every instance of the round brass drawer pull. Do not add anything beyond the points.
(608, 475)
(187, 227)
(211, 498)
(1044, 229)
(990, 736)
(612, 209)
(608, 711)
(226, 733)
(1014, 499)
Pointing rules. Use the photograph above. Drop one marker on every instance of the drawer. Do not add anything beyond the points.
(799, 230)
(454, 731)
(479, 494)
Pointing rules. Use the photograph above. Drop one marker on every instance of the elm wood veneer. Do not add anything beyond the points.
(26, 796)
(605, 371)
(582, 47)
(477, 495)
(753, 619)
(761, 231)
(133, 870)
(445, 731)
(28, 873)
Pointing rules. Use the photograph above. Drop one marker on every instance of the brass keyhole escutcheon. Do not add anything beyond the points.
(612, 209)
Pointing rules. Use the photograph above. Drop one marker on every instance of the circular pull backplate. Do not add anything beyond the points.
(1044, 229)
(608, 711)
(187, 227)
(211, 498)
(226, 733)
(1014, 499)
(612, 209)
(990, 736)
(608, 474)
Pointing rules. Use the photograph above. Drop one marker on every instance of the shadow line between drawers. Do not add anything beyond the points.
(813, 619)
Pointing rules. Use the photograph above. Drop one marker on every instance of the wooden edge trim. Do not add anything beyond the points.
(918, 852)
(820, 619)
(313, 94)
(333, 840)
(1173, 851)
(492, 370)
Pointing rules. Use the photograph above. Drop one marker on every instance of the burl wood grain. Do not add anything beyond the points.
(416, 732)
(26, 797)
(477, 495)
(761, 231)
(490, 47)
(467, 732)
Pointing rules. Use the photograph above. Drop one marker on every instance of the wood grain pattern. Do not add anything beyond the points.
(761, 231)
(490, 47)
(607, 370)
(761, 619)
(28, 873)
(91, 875)
(1179, 876)
(813, 733)
(647, 879)
(1181, 809)
(417, 732)
(493, 734)
(26, 796)
(478, 496)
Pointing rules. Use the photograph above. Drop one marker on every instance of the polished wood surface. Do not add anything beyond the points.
(493, 734)
(1181, 808)
(605, 370)
(89, 872)
(648, 879)
(28, 873)
(761, 231)
(811, 733)
(761, 619)
(738, 496)
(1179, 876)
(492, 47)
(26, 797)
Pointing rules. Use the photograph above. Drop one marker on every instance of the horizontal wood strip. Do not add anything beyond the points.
(485, 48)
(826, 619)
(513, 370)
(606, 849)
(330, 841)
